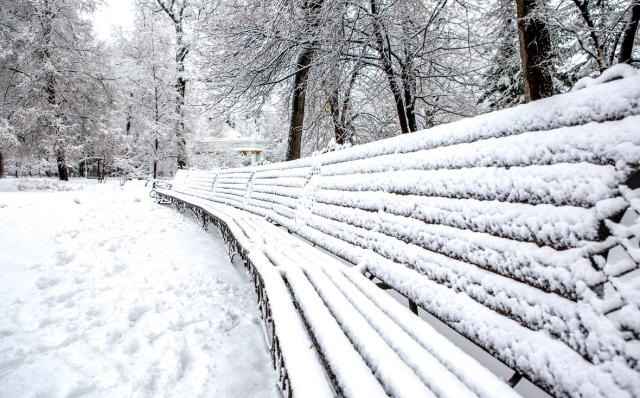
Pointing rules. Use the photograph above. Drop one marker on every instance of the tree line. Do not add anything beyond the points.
(304, 75)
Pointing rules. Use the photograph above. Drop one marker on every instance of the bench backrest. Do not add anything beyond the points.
(498, 225)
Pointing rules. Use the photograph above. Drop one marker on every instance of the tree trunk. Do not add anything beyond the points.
(583, 6)
(50, 91)
(341, 115)
(387, 67)
(334, 103)
(181, 86)
(156, 122)
(1, 164)
(63, 170)
(175, 11)
(408, 79)
(296, 123)
(535, 51)
(626, 47)
(127, 127)
(155, 159)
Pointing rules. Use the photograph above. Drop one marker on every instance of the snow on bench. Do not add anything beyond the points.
(508, 227)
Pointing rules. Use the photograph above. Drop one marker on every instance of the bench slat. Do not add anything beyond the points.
(542, 267)
(531, 307)
(546, 361)
(595, 143)
(398, 379)
(472, 373)
(580, 184)
(546, 225)
(347, 364)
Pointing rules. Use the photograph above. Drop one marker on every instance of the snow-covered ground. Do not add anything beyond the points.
(105, 293)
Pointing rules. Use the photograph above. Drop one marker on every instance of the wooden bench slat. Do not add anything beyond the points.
(472, 373)
(547, 361)
(259, 196)
(397, 378)
(561, 272)
(334, 345)
(263, 207)
(595, 143)
(581, 184)
(290, 169)
(280, 191)
(531, 307)
(281, 181)
(548, 225)
(430, 370)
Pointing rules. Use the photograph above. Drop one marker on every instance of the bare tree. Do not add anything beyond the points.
(384, 51)
(146, 72)
(57, 93)
(589, 36)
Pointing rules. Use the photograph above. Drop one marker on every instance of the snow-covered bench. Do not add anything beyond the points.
(518, 229)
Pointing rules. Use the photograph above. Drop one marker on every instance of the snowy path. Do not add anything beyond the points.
(104, 293)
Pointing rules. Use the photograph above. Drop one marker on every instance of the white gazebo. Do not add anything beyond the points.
(246, 150)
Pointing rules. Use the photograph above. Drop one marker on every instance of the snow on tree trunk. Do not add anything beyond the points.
(387, 66)
(626, 47)
(176, 13)
(297, 105)
(63, 171)
(181, 85)
(294, 145)
(535, 50)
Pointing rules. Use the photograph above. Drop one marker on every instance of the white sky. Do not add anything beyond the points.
(112, 13)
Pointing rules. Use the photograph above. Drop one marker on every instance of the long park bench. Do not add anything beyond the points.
(518, 229)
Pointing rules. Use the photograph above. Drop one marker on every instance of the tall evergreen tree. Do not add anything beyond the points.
(503, 79)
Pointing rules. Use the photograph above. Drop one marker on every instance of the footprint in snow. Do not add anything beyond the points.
(113, 336)
(6, 333)
(229, 321)
(81, 390)
(137, 311)
(63, 257)
(186, 358)
(73, 233)
(114, 246)
(47, 281)
(93, 312)
(64, 296)
(117, 268)
(32, 266)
